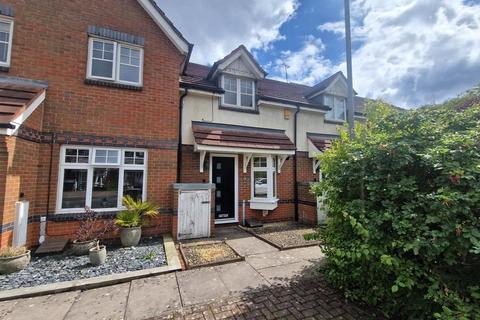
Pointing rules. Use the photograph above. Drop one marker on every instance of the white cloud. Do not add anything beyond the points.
(306, 65)
(216, 27)
(337, 27)
(414, 52)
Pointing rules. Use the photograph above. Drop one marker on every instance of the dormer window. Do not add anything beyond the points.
(338, 107)
(239, 92)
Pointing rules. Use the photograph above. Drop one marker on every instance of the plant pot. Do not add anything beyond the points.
(130, 236)
(81, 248)
(98, 257)
(14, 264)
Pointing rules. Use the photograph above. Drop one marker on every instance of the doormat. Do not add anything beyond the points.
(209, 253)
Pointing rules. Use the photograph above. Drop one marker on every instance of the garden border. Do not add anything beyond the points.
(173, 264)
(209, 264)
(313, 244)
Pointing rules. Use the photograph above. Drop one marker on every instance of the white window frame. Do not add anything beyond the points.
(90, 166)
(116, 61)
(10, 42)
(239, 92)
(271, 170)
(334, 108)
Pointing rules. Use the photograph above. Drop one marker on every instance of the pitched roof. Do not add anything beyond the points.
(196, 76)
(17, 97)
(321, 141)
(240, 48)
(226, 135)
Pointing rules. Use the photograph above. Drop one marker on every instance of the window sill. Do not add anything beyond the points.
(238, 109)
(334, 121)
(4, 68)
(263, 204)
(111, 84)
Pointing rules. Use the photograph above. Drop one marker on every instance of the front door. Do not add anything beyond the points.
(223, 175)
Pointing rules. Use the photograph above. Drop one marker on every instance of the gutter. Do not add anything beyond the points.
(179, 150)
(295, 173)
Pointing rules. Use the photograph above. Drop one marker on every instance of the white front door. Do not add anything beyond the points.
(194, 214)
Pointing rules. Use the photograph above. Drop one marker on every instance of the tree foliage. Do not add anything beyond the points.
(403, 228)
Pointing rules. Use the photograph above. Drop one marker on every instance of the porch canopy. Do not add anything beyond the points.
(226, 138)
(18, 99)
(318, 143)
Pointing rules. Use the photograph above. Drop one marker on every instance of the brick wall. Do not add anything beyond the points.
(50, 43)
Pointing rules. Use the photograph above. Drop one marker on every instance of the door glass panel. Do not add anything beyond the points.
(105, 188)
(219, 179)
(74, 188)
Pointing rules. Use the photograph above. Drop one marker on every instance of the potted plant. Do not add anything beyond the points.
(98, 254)
(13, 259)
(89, 231)
(131, 220)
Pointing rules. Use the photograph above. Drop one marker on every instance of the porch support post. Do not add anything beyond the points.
(281, 160)
(246, 160)
(202, 159)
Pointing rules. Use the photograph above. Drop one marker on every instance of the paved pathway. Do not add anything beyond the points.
(269, 284)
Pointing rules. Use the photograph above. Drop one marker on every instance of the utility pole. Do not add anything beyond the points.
(348, 40)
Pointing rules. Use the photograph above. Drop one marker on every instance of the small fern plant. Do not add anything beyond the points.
(136, 214)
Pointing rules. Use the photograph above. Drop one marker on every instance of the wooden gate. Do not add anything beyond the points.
(194, 214)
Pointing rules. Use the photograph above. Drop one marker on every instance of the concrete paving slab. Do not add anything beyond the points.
(222, 233)
(308, 253)
(240, 277)
(51, 307)
(152, 296)
(6, 307)
(200, 285)
(102, 303)
(271, 259)
(287, 273)
(250, 245)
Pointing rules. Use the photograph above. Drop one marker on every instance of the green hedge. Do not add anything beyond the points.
(403, 230)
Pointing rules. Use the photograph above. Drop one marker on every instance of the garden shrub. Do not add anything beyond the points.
(403, 227)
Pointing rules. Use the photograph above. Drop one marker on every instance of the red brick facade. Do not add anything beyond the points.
(50, 43)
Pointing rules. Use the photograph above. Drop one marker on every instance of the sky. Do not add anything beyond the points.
(406, 52)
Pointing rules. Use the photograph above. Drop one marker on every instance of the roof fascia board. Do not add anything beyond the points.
(182, 45)
(201, 147)
(29, 109)
(276, 104)
(246, 58)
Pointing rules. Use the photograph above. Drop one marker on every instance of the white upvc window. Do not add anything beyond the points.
(338, 107)
(239, 92)
(6, 36)
(264, 184)
(115, 61)
(99, 177)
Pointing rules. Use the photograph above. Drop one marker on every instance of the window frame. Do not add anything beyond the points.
(334, 108)
(90, 166)
(272, 177)
(117, 45)
(10, 41)
(238, 92)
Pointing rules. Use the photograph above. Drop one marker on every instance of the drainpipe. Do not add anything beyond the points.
(49, 187)
(179, 151)
(295, 185)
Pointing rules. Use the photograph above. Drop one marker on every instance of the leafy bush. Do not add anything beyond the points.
(136, 213)
(9, 252)
(403, 230)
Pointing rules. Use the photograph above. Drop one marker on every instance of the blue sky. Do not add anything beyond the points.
(407, 52)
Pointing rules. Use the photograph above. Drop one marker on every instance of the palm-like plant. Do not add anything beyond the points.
(136, 213)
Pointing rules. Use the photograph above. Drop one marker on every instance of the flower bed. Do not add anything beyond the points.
(285, 235)
(148, 254)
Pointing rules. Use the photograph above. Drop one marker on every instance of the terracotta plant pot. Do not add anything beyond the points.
(14, 264)
(81, 248)
(130, 236)
(98, 257)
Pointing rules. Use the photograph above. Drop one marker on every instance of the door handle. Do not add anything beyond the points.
(205, 202)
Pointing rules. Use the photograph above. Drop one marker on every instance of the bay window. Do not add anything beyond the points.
(239, 92)
(264, 178)
(99, 177)
(115, 61)
(338, 107)
(6, 33)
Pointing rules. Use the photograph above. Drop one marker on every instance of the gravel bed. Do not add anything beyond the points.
(199, 255)
(285, 234)
(148, 254)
